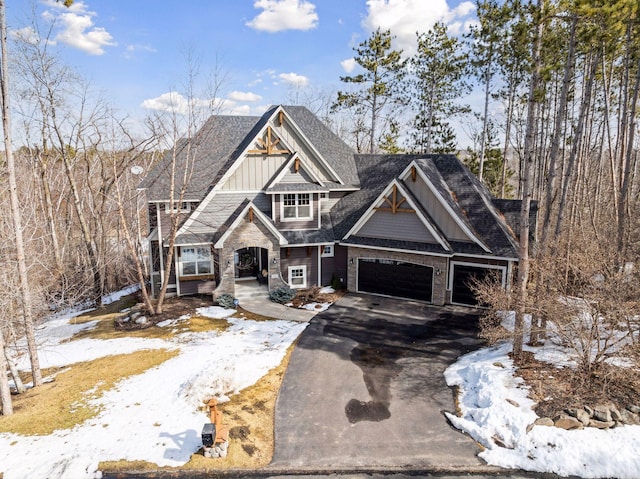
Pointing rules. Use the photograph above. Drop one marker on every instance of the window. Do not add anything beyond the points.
(195, 261)
(298, 276)
(183, 207)
(296, 206)
(327, 251)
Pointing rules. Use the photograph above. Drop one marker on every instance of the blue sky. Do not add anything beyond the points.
(270, 50)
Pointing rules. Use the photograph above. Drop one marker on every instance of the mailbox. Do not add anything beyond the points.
(208, 434)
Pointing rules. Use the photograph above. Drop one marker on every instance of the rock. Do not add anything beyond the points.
(544, 421)
(512, 402)
(135, 315)
(564, 421)
(573, 412)
(602, 414)
(601, 424)
(634, 408)
(629, 418)
(498, 365)
(142, 320)
(615, 414)
(583, 416)
(589, 411)
(125, 319)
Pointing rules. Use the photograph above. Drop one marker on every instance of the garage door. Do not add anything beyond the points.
(463, 278)
(395, 278)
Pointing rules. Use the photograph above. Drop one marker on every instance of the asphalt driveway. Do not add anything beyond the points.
(364, 389)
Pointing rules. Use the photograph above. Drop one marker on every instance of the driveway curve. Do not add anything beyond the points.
(364, 389)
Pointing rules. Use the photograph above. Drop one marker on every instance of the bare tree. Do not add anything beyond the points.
(15, 206)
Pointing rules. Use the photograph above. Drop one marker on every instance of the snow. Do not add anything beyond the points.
(156, 416)
(486, 379)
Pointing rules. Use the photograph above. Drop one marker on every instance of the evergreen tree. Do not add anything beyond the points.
(376, 87)
(437, 81)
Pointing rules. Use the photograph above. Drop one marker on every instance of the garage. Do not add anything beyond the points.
(463, 277)
(395, 278)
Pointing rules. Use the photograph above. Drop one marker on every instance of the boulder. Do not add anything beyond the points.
(601, 424)
(142, 320)
(564, 421)
(615, 414)
(602, 413)
(589, 411)
(629, 418)
(634, 408)
(543, 421)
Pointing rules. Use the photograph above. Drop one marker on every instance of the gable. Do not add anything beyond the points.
(432, 203)
(435, 195)
(269, 150)
(395, 214)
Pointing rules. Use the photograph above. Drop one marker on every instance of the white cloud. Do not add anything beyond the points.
(406, 17)
(294, 79)
(348, 65)
(27, 35)
(244, 96)
(130, 50)
(278, 15)
(78, 30)
(175, 102)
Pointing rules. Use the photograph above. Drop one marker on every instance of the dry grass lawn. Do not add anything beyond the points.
(63, 403)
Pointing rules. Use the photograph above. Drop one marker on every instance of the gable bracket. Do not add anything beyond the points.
(394, 203)
(270, 146)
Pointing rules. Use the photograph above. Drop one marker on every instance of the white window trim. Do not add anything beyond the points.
(296, 218)
(185, 207)
(302, 267)
(327, 254)
(180, 262)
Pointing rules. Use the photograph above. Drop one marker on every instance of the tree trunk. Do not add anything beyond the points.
(529, 153)
(487, 93)
(623, 202)
(25, 291)
(14, 372)
(575, 147)
(5, 392)
(557, 133)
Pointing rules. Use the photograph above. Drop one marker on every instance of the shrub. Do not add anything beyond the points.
(336, 283)
(226, 300)
(282, 295)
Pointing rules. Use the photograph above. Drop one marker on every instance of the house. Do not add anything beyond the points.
(282, 200)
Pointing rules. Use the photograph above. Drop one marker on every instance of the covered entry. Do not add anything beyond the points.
(464, 275)
(395, 278)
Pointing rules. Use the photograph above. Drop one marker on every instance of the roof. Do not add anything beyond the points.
(459, 188)
(204, 159)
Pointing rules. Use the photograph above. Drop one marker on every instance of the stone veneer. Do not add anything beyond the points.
(439, 296)
(247, 235)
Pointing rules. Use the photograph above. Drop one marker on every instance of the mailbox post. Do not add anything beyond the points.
(215, 435)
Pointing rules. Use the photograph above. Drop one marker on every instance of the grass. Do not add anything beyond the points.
(249, 416)
(64, 403)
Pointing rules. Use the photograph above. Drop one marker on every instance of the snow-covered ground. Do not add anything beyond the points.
(155, 416)
(495, 406)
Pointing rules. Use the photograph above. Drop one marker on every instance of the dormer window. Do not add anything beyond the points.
(296, 206)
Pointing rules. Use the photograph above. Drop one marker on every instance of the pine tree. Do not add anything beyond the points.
(376, 87)
(437, 81)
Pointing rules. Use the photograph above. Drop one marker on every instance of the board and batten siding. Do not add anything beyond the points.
(255, 172)
(438, 213)
(304, 152)
(300, 256)
(399, 226)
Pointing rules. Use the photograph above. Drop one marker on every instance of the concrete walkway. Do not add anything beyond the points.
(255, 298)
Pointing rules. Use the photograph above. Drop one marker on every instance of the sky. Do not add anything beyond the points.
(268, 51)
